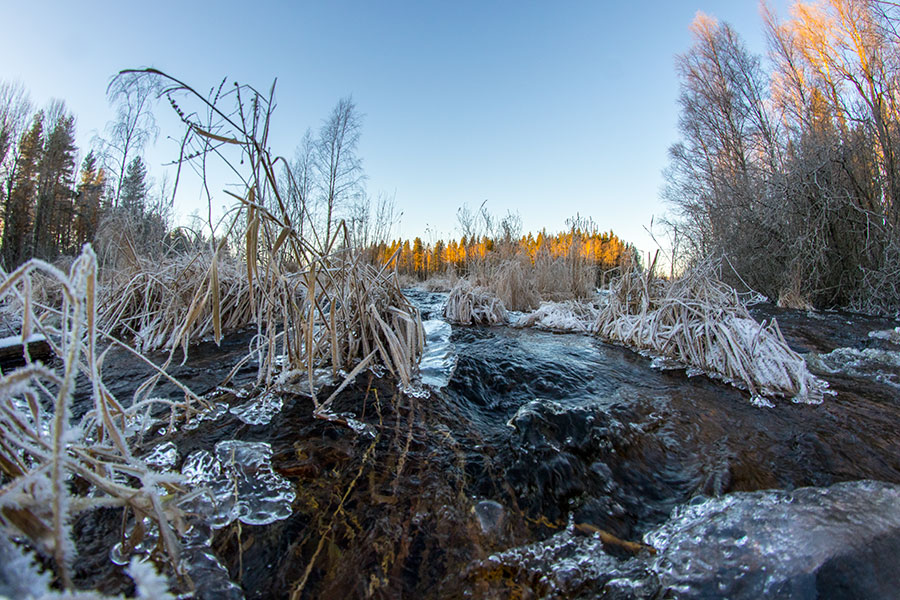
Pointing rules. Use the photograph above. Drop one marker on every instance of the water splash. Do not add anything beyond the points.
(439, 359)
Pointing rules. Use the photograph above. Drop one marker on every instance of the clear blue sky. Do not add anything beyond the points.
(545, 108)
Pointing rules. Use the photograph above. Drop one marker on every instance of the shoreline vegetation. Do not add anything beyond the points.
(786, 184)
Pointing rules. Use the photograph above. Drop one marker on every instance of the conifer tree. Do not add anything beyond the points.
(54, 208)
(91, 186)
(19, 206)
(133, 194)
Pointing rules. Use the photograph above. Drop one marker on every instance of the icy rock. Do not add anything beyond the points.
(835, 542)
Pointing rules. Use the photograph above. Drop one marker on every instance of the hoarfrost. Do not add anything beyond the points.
(575, 317)
(871, 363)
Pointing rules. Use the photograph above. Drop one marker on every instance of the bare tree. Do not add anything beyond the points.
(15, 113)
(298, 179)
(339, 169)
(134, 125)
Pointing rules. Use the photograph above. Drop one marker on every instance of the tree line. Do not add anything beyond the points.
(49, 204)
(790, 168)
(600, 251)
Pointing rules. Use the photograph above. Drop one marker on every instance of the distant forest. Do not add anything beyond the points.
(599, 251)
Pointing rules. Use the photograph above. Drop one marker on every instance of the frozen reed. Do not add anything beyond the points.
(45, 453)
(700, 321)
(468, 305)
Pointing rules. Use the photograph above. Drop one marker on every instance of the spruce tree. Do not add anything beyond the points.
(91, 185)
(54, 209)
(19, 205)
(133, 194)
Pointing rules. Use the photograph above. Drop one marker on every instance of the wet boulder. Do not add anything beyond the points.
(840, 541)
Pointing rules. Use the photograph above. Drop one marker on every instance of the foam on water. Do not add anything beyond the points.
(439, 359)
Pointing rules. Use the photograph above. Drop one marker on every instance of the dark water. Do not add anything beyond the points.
(547, 465)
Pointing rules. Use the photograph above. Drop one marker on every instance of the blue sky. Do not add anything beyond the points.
(544, 108)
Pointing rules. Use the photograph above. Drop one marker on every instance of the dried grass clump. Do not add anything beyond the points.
(46, 458)
(438, 284)
(513, 286)
(148, 300)
(468, 305)
(563, 278)
(569, 316)
(699, 321)
(314, 301)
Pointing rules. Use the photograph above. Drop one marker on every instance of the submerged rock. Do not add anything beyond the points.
(836, 542)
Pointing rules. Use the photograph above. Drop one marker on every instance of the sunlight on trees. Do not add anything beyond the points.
(792, 174)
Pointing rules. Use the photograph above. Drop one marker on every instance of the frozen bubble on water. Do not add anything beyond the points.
(301, 385)
(439, 359)
(259, 411)
(348, 419)
(490, 515)
(761, 401)
(210, 414)
(163, 457)
(240, 484)
(563, 564)
(121, 553)
(663, 363)
(140, 422)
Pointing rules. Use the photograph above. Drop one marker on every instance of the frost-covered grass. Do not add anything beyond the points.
(315, 303)
(700, 321)
(695, 320)
(42, 449)
(570, 316)
(468, 305)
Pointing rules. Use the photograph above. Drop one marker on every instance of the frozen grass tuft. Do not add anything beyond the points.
(700, 321)
(42, 448)
(469, 305)
(569, 316)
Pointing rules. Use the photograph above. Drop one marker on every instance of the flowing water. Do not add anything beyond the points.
(543, 465)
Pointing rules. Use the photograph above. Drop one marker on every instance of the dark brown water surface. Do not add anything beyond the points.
(535, 432)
